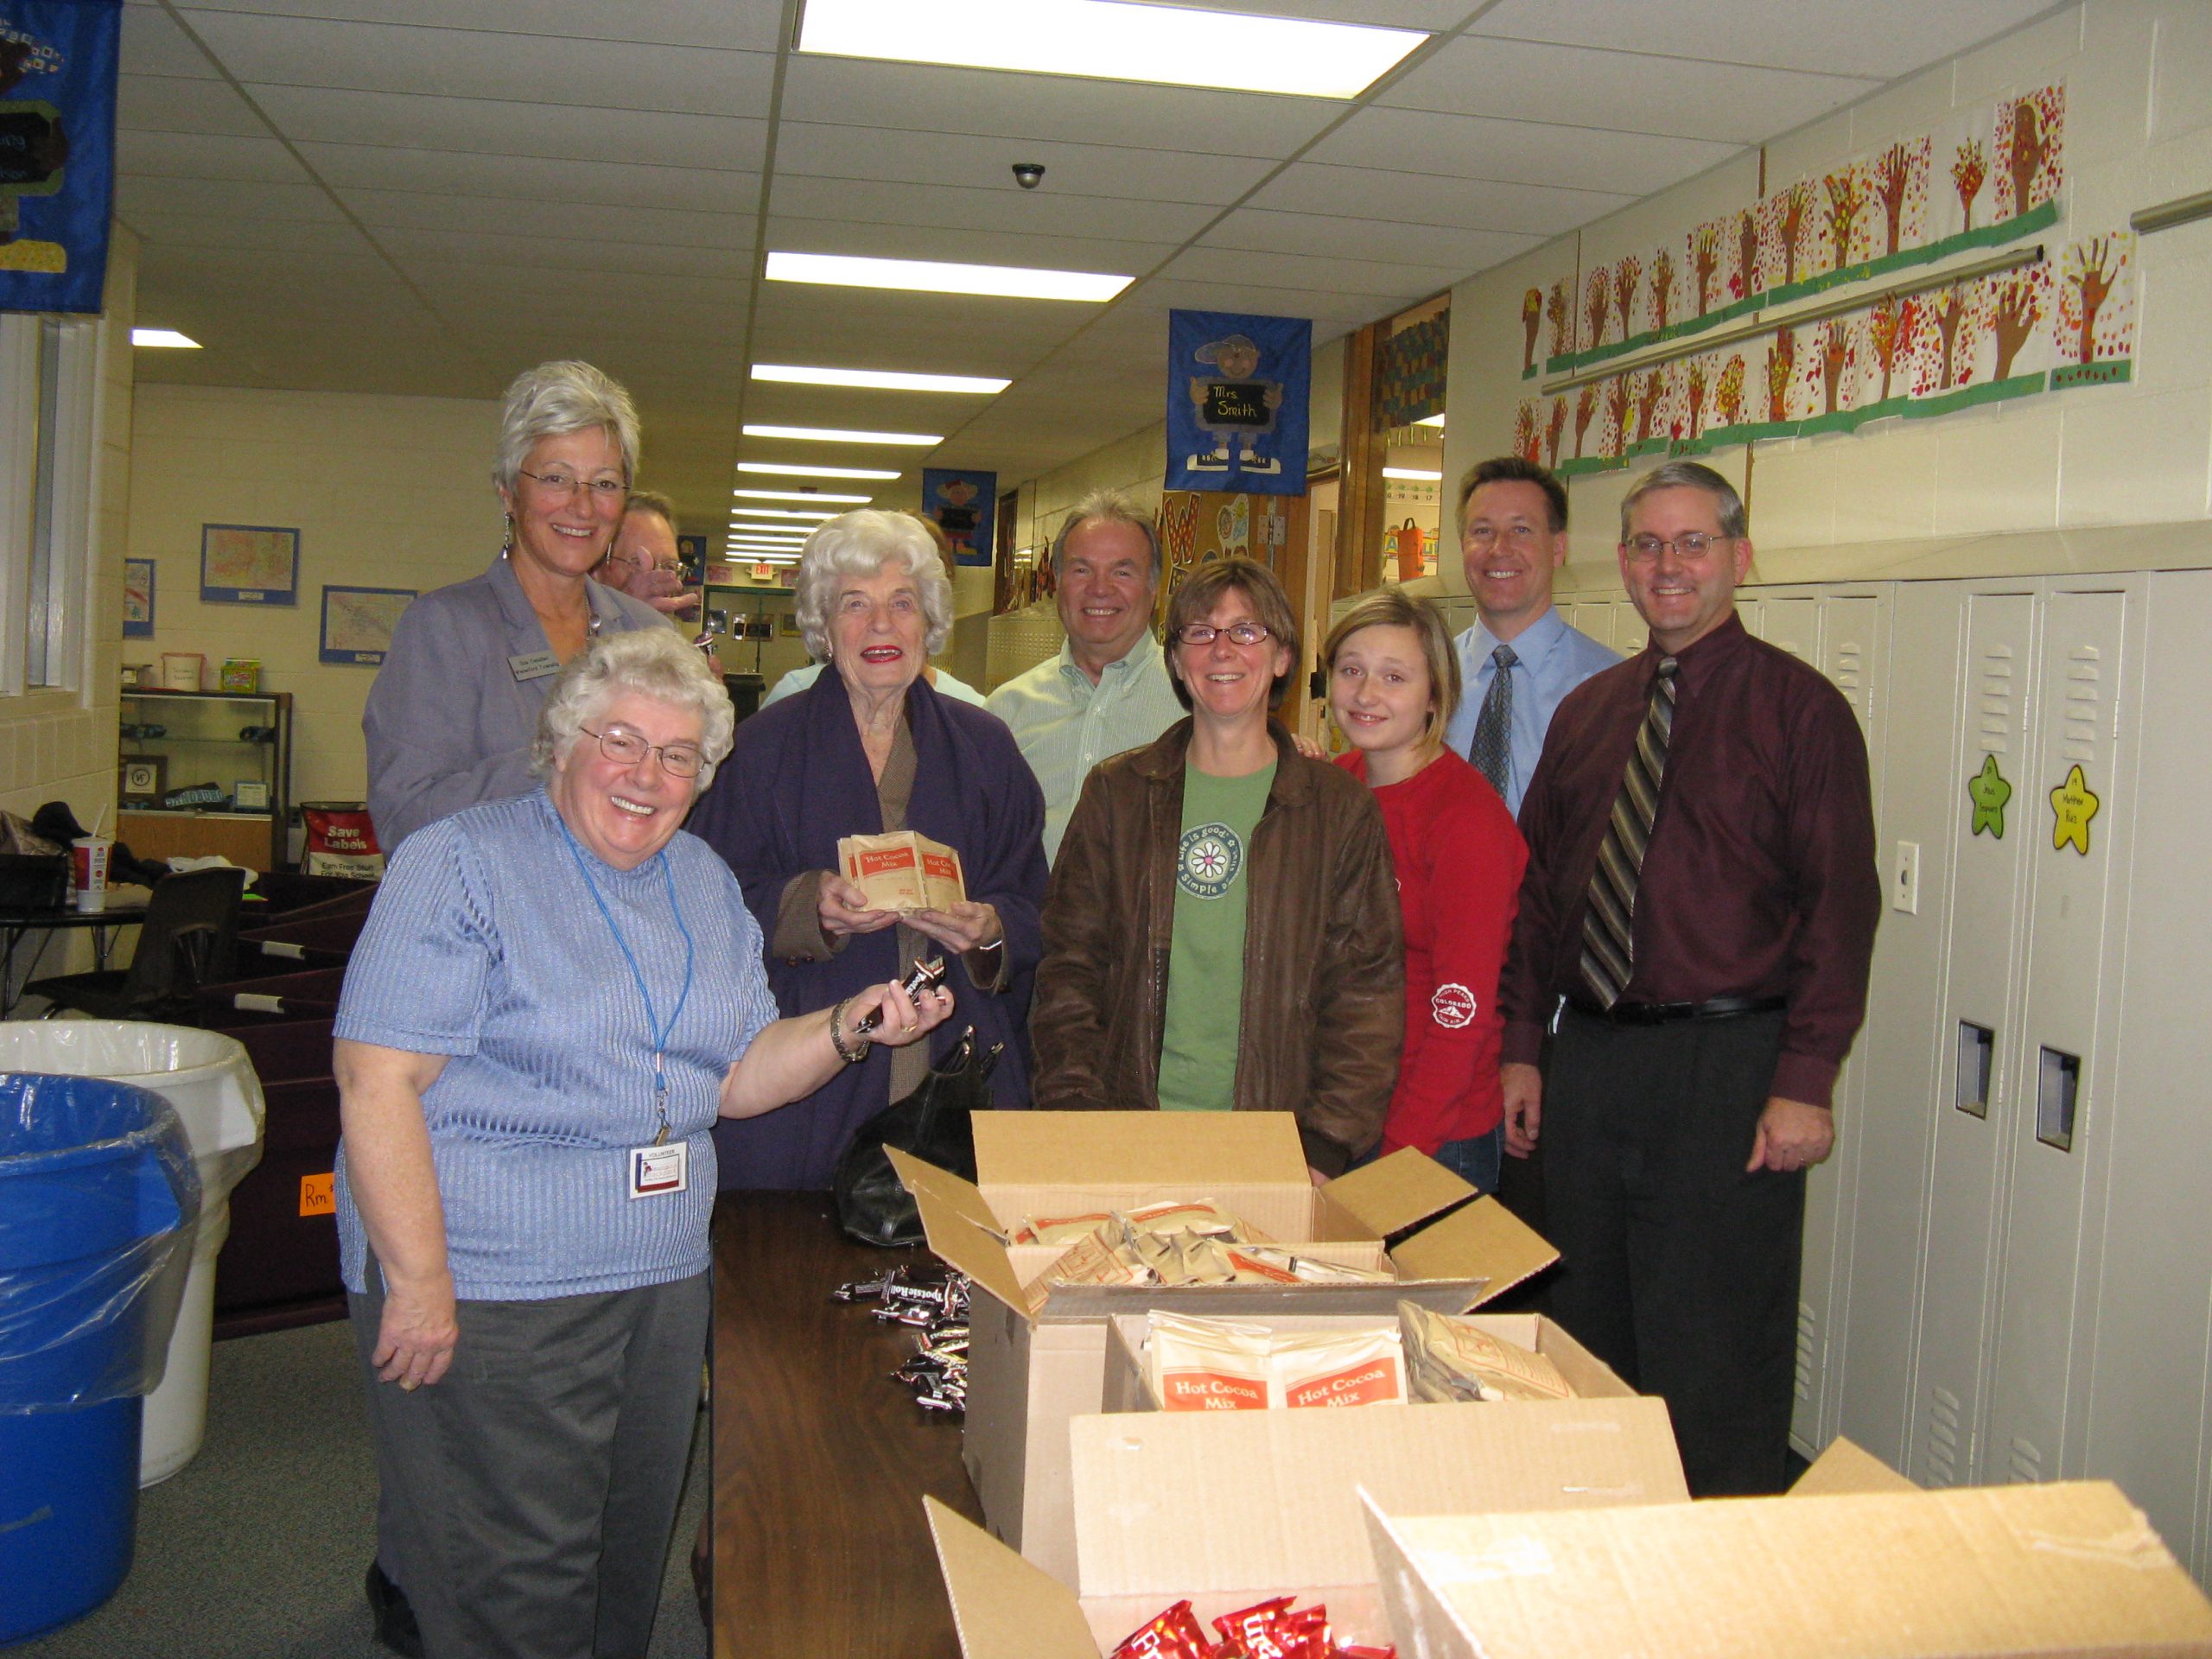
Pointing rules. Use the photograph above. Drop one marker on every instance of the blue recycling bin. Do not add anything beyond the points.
(98, 1200)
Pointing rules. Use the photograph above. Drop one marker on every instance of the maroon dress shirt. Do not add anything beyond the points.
(1760, 879)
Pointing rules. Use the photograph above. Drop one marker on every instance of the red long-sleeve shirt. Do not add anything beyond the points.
(1459, 861)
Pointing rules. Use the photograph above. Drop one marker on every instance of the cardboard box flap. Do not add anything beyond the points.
(1109, 1149)
(961, 1229)
(2067, 1568)
(1483, 1240)
(1263, 1500)
(1847, 1467)
(1391, 1194)
(1003, 1607)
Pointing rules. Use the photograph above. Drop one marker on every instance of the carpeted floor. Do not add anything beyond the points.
(256, 1548)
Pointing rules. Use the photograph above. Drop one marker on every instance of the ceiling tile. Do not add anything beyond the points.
(1262, 231)
(405, 122)
(270, 201)
(562, 70)
(570, 186)
(237, 230)
(959, 159)
(1423, 198)
(1624, 91)
(986, 103)
(1518, 152)
(154, 45)
(1875, 38)
(1406, 282)
(521, 216)
(205, 156)
(478, 247)
(1047, 212)
(667, 23)
(173, 103)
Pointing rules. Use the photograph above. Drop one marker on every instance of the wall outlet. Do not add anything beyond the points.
(1904, 878)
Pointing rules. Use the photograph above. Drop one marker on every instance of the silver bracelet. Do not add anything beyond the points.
(849, 1056)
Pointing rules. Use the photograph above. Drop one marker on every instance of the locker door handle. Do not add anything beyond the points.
(2058, 1090)
(1977, 1055)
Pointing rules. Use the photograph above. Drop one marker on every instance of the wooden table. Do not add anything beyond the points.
(820, 1459)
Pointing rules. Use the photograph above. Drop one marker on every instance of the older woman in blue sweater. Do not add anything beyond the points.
(556, 997)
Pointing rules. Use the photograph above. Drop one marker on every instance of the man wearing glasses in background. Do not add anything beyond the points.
(1520, 659)
(644, 563)
(1696, 923)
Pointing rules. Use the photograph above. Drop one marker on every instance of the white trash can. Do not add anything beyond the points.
(206, 1076)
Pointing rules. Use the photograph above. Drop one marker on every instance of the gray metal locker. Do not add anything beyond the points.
(1978, 1035)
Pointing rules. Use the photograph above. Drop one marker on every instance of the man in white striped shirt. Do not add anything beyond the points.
(1108, 689)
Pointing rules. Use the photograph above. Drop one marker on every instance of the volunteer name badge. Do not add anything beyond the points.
(533, 665)
(655, 1170)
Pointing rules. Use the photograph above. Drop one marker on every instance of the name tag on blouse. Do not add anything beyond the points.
(656, 1171)
(533, 665)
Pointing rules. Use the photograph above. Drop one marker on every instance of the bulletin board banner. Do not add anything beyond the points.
(57, 151)
(1237, 388)
(961, 503)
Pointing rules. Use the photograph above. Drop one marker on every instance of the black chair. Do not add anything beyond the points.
(190, 938)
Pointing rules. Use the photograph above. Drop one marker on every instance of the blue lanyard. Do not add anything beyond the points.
(660, 1032)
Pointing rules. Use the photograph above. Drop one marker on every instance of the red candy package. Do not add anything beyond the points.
(1175, 1634)
(1276, 1628)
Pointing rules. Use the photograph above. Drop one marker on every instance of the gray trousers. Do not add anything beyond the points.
(530, 1495)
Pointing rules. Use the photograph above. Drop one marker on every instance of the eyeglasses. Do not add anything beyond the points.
(628, 749)
(1644, 549)
(1514, 535)
(557, 482)
(642, 565)
(1205, 634)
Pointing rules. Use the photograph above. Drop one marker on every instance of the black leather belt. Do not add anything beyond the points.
(1668, 1014)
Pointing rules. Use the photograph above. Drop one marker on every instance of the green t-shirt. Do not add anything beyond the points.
(1205, 958)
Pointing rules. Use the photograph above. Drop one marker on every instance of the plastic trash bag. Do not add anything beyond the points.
(933, 1122)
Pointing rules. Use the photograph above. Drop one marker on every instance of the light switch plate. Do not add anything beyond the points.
(1904, 878)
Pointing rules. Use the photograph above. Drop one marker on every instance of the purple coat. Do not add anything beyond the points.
(796, 781)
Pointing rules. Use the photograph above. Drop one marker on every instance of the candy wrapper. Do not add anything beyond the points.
(1276, 1628)
(1453, 1360)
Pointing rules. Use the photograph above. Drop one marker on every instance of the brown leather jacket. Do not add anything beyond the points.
(1324, 1005)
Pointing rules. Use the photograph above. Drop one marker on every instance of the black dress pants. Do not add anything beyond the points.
(1679, 1268)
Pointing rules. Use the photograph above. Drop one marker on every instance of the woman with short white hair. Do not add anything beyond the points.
(870, 747)
(556, 997)
(449, 719)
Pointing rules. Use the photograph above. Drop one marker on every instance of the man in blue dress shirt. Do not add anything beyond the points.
(1520, 659)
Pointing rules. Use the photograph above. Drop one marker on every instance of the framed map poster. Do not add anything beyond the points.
(249, 564)
(357, 623)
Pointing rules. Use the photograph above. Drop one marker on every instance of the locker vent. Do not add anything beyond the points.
(1808, 1326)
(2026, 1462)
(1942, 1438)
(1848, 671)
(1997, 699)
(2084, 698)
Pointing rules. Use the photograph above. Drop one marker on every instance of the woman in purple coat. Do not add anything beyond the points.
(869, 749)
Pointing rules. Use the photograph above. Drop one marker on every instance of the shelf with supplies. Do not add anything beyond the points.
(204, 773)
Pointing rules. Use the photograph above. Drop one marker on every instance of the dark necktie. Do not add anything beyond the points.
(1492, 748)
(1609, 923)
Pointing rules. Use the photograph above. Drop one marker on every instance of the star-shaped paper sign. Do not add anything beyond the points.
(1989, 791)
(2074, 806)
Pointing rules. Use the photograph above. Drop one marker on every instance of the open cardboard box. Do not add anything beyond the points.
(1128, 1384)
(1981, 1573)
(1037, 1353)
(1847, 1467)
(1230, 1508)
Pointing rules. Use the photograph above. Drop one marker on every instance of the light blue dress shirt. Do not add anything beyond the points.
(1553, 659)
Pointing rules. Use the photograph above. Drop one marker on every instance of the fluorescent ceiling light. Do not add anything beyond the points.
(1433, 419)
(792, 470)
(834, 434)
(800, 495)
(1413, 472)
(167, 337)
(1173, 45)
(935, 277)
(783, 512)
(878, 379)
(770, 532)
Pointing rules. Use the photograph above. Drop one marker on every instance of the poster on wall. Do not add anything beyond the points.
(57, 151)
(691, 559)
(249, 564)
(960, 503)
(1237, 388)
(138, 599)
(357, 624)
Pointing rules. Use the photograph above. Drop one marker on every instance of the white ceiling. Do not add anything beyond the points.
(427, 195)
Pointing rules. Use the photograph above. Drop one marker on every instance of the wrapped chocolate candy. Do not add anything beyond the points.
(1175, 1634)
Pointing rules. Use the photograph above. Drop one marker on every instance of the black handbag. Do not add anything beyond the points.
(933, 1122)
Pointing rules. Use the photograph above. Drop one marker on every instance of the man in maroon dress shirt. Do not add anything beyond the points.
(1698, 913)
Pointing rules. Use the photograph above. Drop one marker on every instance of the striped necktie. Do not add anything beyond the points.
(1609, 922)
(1492, 748)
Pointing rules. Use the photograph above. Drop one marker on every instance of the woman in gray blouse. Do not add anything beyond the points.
(555, 998)
(450, 718)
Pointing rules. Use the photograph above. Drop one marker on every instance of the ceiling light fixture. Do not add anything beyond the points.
(800, 495)
(795, 470)
(1414, 472)
(1431, 420)
(879, 379)
(938, 277)
(815, 513)
(835, 434)
(1173, 45)
(164, 337)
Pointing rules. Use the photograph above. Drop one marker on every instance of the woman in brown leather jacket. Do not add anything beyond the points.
(1221, 931)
